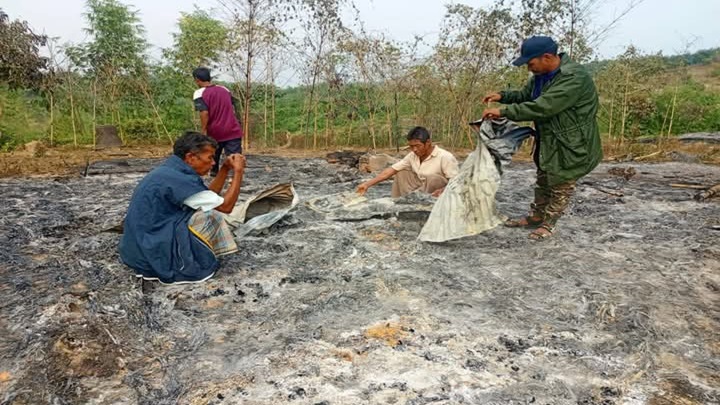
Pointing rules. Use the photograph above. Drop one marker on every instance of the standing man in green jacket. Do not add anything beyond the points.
(562, 101)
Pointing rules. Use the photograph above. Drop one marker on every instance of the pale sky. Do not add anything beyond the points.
(655, 25)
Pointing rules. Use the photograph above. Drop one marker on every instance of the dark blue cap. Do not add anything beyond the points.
(533, 47)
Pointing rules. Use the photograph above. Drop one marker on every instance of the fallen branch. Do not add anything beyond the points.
(690, 186)
(611, 192)
(648, 156)
(603, 189)
(711, 192)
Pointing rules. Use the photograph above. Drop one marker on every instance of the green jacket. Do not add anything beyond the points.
(564, 114)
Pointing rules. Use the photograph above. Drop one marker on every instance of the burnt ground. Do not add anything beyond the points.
(622, 306)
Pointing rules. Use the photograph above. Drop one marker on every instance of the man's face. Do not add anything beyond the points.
(201, 161)
(540, 65)
(418, 147)
(197, 82)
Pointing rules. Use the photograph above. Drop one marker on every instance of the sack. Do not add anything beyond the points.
(467, 205)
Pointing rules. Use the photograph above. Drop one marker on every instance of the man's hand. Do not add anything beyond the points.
(437, 192)
(363, 188)
(237, 162)
(491, 113)
(492, 97)
(227, 163)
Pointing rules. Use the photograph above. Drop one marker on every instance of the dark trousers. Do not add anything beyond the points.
(230, 147)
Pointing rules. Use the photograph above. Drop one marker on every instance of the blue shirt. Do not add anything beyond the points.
(541, 81)
(157, 241)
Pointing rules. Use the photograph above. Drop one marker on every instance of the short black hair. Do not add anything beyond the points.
(192, 142)
(419, 133)
(202, 73)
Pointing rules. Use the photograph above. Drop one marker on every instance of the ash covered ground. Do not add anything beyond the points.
(622, 306)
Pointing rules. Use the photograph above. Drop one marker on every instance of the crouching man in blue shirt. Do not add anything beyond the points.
(173, 230)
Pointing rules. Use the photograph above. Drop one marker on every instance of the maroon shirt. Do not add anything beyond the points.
(218, 102)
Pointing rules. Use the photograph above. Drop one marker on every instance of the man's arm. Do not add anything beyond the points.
(384, 175)
(204, 118)
(237, 162)
(404, 164)
(517, 96)
(219, 181)
(202, 108)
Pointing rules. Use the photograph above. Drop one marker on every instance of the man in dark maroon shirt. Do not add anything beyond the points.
(217, 115)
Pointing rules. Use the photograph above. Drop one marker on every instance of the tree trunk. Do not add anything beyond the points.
(265, 117)
(52, 118)
(610, 119)
(246, 115)
(272, 98)
(625, 108)
(72, 119)
(315, 128)
(672, 112)
(396, 121)
(94, 111)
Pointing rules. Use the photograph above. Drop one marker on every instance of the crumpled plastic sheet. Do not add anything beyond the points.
(263, 209)
(467, 206)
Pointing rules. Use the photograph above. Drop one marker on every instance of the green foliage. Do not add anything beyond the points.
(700, 57)
(199, 42)
(359, 89)
(20, 62)
(23, 117)
(695, 109)
(117, 44)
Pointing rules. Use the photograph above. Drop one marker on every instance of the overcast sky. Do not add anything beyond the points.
(655, 25)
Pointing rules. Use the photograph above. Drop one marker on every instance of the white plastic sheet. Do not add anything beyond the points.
(467, 206)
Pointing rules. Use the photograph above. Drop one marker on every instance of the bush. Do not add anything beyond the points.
(697, 109)
(22, 118)
(140, 129)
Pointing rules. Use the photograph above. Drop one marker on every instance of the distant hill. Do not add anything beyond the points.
(701, 57)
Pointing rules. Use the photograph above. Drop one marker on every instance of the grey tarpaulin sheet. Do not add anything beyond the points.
(467, 206)
(262, 210)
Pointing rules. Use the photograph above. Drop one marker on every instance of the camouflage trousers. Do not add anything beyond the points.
(551, 201)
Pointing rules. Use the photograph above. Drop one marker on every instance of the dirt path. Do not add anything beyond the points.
(621, 307)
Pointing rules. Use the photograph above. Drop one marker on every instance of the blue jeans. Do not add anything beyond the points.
(230, 147)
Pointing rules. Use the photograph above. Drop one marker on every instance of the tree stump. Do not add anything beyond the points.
(106, 136)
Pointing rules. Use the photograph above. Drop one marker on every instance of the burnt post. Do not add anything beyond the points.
(106, 136)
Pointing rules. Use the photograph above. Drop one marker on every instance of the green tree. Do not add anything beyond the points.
(322, 23)
(626, 86)
(199, 42)
(21, 64)
(475, 45)
(114, 60)
(22, 68)
(253, 26)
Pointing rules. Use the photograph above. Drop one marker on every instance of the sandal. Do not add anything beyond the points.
(543, 231)
(524, 222)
